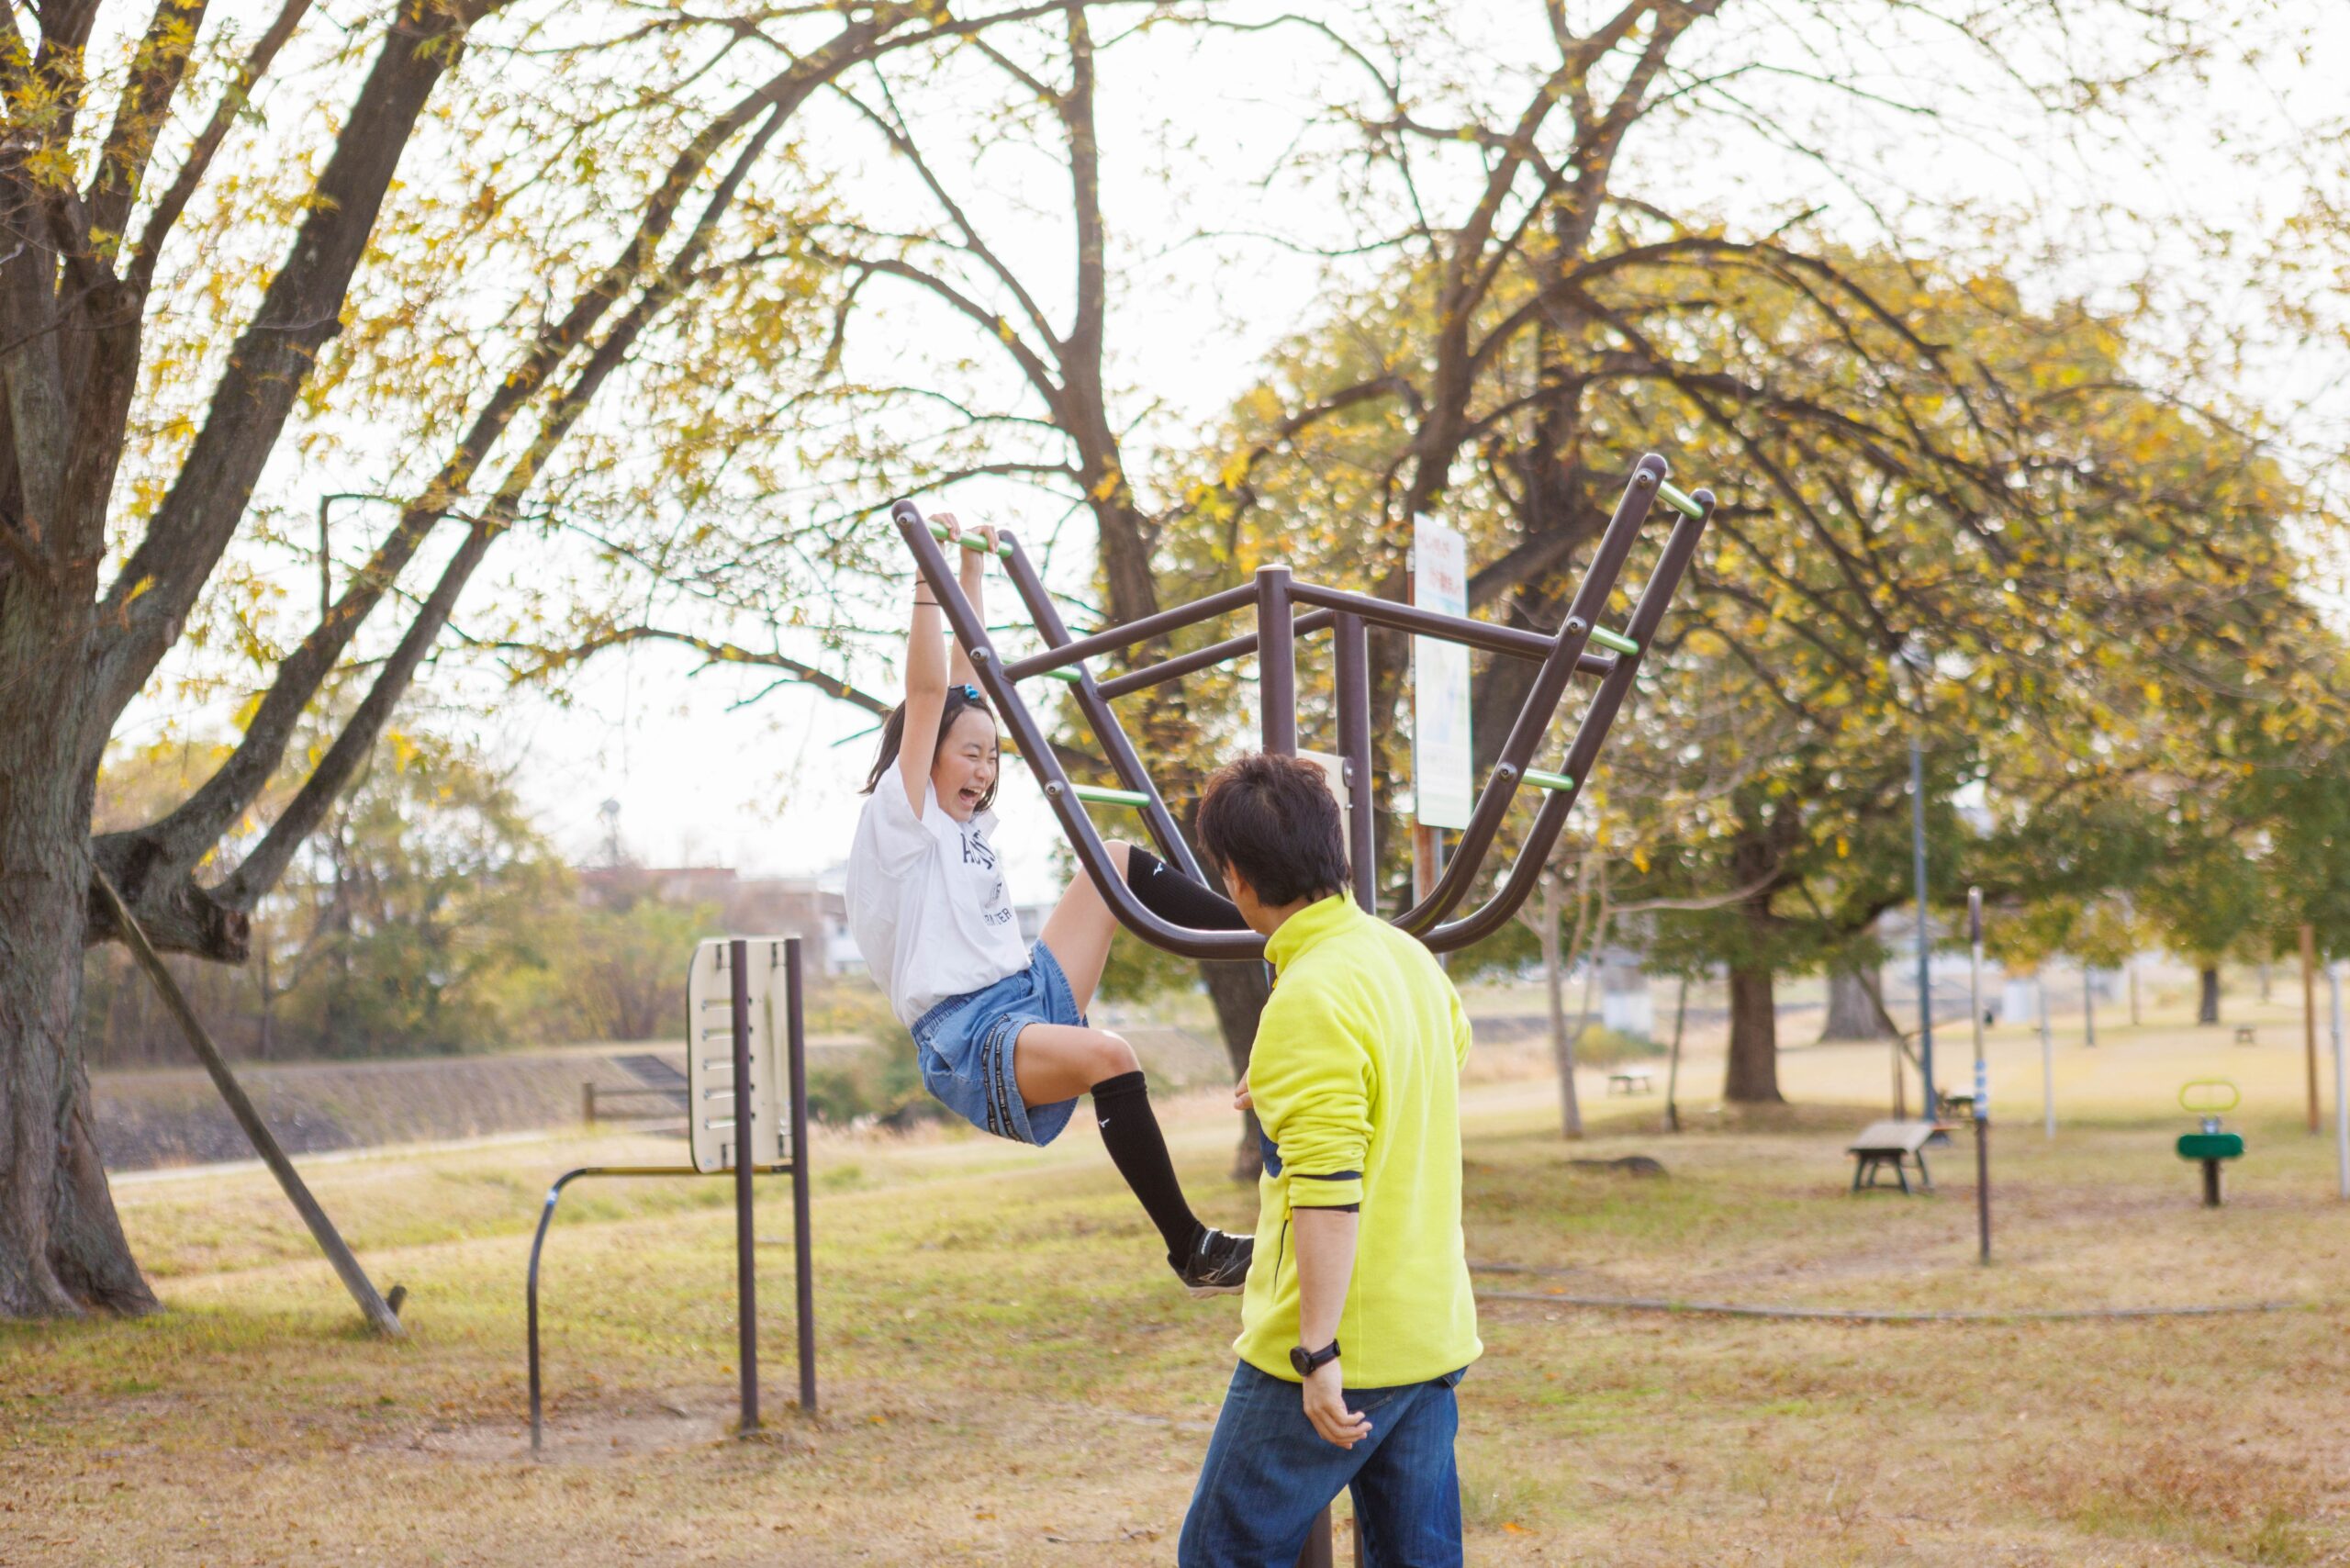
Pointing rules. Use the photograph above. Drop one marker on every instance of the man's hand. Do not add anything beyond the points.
(1241, 1100)
(1325, 1407)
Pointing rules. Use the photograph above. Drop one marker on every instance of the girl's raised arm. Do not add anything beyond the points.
(975, 580)
(925, 682)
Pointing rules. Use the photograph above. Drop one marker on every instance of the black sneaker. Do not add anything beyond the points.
(1218, 1264)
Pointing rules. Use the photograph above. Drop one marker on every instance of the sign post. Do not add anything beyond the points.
(1982, 1073)
(1443, 762)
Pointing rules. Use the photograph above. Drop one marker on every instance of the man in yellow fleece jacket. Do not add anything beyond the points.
(1357, 1319)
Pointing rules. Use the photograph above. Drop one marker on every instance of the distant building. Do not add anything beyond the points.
(746, 906)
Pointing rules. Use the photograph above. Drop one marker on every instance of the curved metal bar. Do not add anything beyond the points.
(1542, 702)
(546, 1217)
(1042, 762)
(539, 1241)
(1095, 706)
(1648, 614)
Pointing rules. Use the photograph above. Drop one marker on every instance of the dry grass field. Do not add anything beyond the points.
(1009, 1378)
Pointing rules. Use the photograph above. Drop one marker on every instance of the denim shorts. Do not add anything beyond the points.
(965, 1046)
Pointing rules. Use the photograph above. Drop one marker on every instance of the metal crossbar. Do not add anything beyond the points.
(1276, 601)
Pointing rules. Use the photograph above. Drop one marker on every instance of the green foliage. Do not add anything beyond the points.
(881, 1083)
(1943, 514)
(417, 919)
(619, 975)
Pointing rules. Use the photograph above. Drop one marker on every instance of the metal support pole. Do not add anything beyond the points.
(1925, 972)
(1982, 1073)
(1276, 663)
(746, 1278)
(803, 1239)
(1277, 726)
(2047, 1057)
(1351, 647)
(2341, 1083)
(2308, 1013)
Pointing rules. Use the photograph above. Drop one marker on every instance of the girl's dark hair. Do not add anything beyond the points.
(960, 700)
(1273, 820)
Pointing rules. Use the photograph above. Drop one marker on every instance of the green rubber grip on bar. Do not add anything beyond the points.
(1102, 797)
(1615, 640)
(968, 541)
(1678, 501)
(1069, 673)
(1543, 781)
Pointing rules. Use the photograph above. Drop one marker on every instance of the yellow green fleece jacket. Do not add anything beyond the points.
(1356, 1075)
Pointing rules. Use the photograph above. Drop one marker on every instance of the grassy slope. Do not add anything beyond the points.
(1008, 1377)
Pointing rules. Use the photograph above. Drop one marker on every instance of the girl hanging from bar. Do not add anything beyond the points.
(999, 1026)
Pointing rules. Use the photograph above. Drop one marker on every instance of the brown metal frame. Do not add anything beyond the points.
(1349, 616)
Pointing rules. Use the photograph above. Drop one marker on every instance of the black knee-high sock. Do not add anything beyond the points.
(1130, 1132)
(1172, 896)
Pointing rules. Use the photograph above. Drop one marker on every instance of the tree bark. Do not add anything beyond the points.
(1854, 1009)
(1238, 991)
(61, 1247)
(1753, 1075)
(2207, 1007)
(1563, 1044)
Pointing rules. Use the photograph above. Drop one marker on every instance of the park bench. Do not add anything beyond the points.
(2244, 1035)
(1632, 1080)
(1894, 1143)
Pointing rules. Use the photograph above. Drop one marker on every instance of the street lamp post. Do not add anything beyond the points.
(1912, 658)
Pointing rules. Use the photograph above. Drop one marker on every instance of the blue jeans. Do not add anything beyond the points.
(1268, 1473)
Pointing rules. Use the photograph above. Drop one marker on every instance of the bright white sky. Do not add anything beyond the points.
(771, 788)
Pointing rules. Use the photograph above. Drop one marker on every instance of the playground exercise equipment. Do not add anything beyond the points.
(729, 1087)
(1285, 611)
(2208, 1098)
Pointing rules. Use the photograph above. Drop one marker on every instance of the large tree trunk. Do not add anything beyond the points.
(2207, 1008)
(1238, 991)
(61, 1248)
(1753, 1075)
(1765, 835)
(1855, 1011)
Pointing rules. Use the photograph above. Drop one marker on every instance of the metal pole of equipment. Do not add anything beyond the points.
(1277, 732)
(746, 1279)
(803, 1246)
(2047, 1057)
(1925, 972)
(1351, 690)
(2308, 1013)
(2341, 1083)
(1982, 1073)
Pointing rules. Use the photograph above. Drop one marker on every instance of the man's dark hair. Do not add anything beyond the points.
(1273, 820)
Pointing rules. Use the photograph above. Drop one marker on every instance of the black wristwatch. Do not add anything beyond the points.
(1308, 1361)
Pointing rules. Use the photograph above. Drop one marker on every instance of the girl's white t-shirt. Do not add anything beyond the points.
(927, 903)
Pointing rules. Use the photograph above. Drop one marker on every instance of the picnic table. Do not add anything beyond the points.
(1632, 1080)
(1894, 1143)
